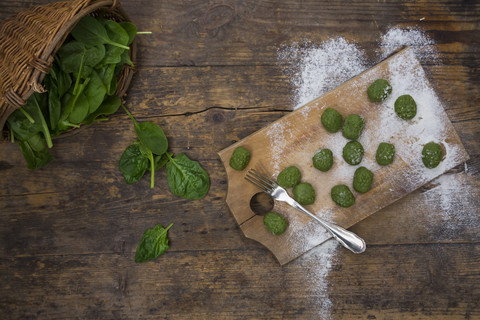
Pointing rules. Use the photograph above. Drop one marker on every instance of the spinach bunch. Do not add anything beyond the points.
(185, 177)
(80, 87)
(153, 243)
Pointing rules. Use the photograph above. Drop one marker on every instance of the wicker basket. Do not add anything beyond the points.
(30, 39)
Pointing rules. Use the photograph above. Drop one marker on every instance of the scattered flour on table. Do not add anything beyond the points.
(396, 38)
(456, 203)
(315, 69)
(316, 265)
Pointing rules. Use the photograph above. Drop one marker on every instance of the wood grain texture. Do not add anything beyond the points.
(209, 75)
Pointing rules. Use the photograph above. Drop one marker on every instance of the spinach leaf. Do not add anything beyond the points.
(21, 126)
(153, 243)
(131, 30)
(109, 106)
(151, 135)
(62, 80)
(95, 92)
(54, 103)
(80, 109)
(186, 178)
(35, 152)
(91, 32)
(113, 55)
(54, 106)
(125, 59)
(39, 102)
(71, 55)
(106, 73)
(161, 161)
(133, 163)
(70, 98)
(116, 33)
(77, 58)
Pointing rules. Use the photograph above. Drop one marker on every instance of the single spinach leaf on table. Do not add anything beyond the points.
(186, 178)
(133, 163)
(154, 242)
(91, 32)
(150, 134)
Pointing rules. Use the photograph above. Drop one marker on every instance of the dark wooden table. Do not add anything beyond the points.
(209, 75)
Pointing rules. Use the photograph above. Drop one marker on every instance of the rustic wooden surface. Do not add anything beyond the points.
(209, 76)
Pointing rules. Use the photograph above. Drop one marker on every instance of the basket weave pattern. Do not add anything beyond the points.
(30, 39)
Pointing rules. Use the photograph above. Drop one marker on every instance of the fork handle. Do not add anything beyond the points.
(346, 238)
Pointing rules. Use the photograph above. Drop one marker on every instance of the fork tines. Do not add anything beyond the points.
(259, 180)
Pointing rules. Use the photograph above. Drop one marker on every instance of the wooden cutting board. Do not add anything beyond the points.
(293, 140)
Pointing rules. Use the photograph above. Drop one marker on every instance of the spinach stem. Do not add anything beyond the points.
(119, 45)
(69, 124)
(45, 129)
(144, 32)
(12, 134)
(77, 81)
(152, 168)
(25, 113)
(129, 114)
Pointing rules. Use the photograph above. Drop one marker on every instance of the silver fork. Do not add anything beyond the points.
(348, 239)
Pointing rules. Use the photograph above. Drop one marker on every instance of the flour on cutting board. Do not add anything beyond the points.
(315, 69)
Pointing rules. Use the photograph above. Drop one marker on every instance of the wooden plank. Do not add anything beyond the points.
(219, 285)
(192, 33)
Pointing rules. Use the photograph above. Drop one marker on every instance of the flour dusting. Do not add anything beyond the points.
(315, 69)
(316, 264)
(397, 38)
(453, 199)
